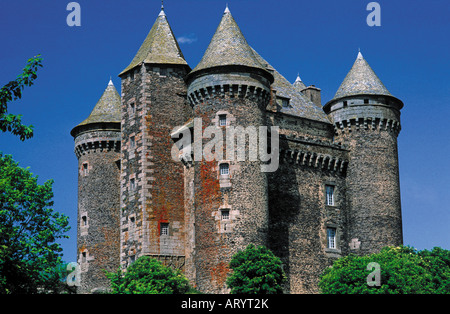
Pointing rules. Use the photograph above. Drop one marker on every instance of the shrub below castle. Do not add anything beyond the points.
(148, 276)
(402, 270)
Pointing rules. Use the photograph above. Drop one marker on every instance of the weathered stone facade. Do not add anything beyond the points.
(335, 189)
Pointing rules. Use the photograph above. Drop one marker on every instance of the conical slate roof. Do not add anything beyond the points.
(107, 109)
(159, 47)
(228, 47)
(361, 80)
(299, 105)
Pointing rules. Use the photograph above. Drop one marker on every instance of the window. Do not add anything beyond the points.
(132, 108)
(366, 101)
(224, 169)
(83, 257)
(132, 259)
(345, 103)
(329, 189)
(222, 119)
(285, 102)
(132, 142)
(132, 184)
(84, 221)
(164, 228)
(131, 75)
(225, 214)
(85, 169)
(163, 72)
(331, 238)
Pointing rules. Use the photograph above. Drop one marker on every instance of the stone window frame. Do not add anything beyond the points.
(336, 251)
(84, 223)
(230, 119)
(84, 169)
(331, 238)
(132, 185)
(164, 229)
(225, 225)
(224, 169)
(334, 198)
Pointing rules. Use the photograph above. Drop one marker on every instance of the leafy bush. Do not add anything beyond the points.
(256, 270)
(148, 276)
(403, 270)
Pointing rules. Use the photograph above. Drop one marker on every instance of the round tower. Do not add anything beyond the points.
(229, 91)
(367, 119)
(97, 147)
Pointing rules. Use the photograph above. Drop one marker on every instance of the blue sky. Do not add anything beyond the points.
(410, 52)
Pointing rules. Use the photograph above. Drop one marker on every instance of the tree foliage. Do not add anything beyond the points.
(403, 270)
(148, 276)
(29, 228)
(256, 270)
(13, 91)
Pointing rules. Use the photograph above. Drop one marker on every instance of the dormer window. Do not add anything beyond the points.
(285, 102)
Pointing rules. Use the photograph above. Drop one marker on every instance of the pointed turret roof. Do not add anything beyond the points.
(107, 109)
(361, 80)
(228, 47)
(159, 47)
(298, 84)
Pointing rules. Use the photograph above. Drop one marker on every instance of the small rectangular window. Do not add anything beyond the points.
(164, 228)
(85, 169)
(132, 184)
(132, 259)
(83, 257)
(345, 103)
(366, 101)
(132, 108)
(84, 221)
(222, 119)
(225, 214)
(224, 169)
(331, 238)
(132, 142)
(285, 102)
(329, 195)
(163, 72)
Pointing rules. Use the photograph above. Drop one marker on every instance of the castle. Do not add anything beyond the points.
(141, 191)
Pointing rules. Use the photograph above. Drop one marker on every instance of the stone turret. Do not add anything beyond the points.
(367, 119)
(152, 184)
(228, 88)
(97, 146)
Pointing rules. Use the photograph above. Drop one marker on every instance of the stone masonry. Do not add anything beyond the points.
(144, 191)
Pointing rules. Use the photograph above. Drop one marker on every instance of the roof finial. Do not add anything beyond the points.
(298, 78)
(162, 9)
(110, 81)
(226, 9)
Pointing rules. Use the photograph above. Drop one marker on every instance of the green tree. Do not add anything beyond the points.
(13, 91)
(148, 276)
(403, 270)
(29, 228)
(256, 270)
